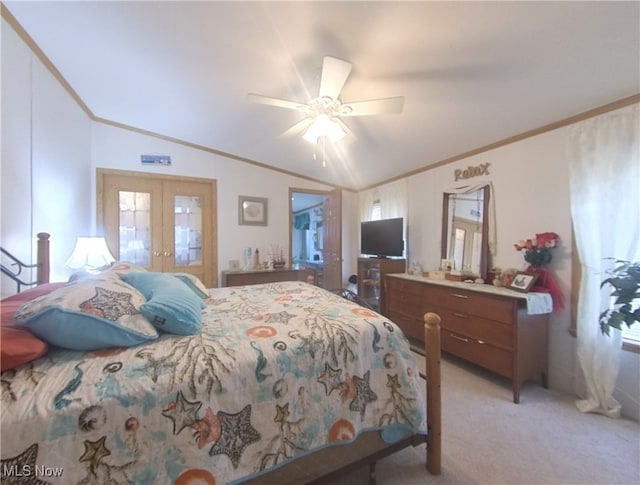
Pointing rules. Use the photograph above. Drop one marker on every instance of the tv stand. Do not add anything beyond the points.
(371, 271)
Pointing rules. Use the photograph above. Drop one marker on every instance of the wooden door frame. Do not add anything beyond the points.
(101, 172)
(333, 230)
(295, 190)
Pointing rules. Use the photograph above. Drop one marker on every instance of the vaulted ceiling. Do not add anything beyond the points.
(471, 73)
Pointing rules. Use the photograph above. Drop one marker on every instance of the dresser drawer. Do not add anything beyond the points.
(493, 358)
(473, 303)
(406, 303)
(405, 287)
(410, 326)
(489, 331)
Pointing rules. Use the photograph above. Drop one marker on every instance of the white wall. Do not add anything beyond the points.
(50, 152)
(117, 148)
(46, 177)
(531, 187)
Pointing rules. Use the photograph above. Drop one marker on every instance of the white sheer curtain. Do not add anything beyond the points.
(393, 200)
(366, 200)
(605, 209)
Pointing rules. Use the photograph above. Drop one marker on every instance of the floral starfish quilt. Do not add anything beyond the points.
(278, 371)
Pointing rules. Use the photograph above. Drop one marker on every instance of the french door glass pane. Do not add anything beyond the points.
(188, 230)
(135, 225)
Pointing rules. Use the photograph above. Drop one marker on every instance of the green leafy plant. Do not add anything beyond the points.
(625, 283)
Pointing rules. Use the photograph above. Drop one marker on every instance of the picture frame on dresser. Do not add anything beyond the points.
(523, 281)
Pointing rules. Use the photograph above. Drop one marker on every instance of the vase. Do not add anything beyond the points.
(546, 283)
(538, 257)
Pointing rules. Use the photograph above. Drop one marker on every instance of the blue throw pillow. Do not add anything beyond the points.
(89, 314)
(171, 305)
(193, 282)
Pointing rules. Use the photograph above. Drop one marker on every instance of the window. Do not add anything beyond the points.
(631, 337)
(376, 211)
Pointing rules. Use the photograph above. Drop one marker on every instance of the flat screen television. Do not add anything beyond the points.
(382, 238)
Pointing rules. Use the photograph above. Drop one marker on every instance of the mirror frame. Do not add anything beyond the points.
(484, 248)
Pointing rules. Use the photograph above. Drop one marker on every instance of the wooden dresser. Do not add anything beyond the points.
(254, 277)
(488, 326)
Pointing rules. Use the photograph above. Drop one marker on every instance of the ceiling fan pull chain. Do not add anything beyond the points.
(324, 158)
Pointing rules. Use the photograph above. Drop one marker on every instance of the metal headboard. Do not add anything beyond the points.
(42, 264)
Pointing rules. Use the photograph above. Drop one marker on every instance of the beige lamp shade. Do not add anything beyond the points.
(90, 253)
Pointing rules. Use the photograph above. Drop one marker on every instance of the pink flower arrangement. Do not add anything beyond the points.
(537, 251)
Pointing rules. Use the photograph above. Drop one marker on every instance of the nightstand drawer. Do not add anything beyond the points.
(473, 303)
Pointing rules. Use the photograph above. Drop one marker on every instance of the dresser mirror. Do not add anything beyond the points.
(465, 229)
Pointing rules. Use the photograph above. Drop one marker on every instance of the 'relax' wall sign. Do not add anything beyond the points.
(482, 169)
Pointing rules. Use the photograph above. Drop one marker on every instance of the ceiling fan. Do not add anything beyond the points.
(323, 114)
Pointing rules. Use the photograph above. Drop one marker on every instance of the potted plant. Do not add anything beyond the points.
(625, 283)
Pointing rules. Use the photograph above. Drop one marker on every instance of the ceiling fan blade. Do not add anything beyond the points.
(373, 107)
(299, 127)
(280, 103)
(334, 74)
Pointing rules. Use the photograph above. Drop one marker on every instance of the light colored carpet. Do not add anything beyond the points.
(487, 439)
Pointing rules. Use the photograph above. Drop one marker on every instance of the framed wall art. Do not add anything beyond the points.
(252, 211)
(523, 281)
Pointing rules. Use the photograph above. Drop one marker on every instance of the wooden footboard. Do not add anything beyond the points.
(434, 398)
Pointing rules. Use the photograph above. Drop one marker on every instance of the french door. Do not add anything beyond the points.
(163, 223)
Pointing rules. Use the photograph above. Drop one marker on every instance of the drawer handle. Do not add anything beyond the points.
(481, 342)
(462, 339)
(460, 296)
(460, 315)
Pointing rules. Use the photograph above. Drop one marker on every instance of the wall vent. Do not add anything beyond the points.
(155, 159)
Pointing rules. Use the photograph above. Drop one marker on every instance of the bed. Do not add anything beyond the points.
(281, 383)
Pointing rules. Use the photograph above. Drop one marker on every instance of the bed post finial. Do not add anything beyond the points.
(434, 398)
(43, 258)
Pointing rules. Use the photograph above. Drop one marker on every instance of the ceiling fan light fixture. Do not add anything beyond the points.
(324, 126)
(335, 131)
(323, 115)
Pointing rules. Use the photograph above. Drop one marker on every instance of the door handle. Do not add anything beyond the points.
(157, 253)
(167, 253)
